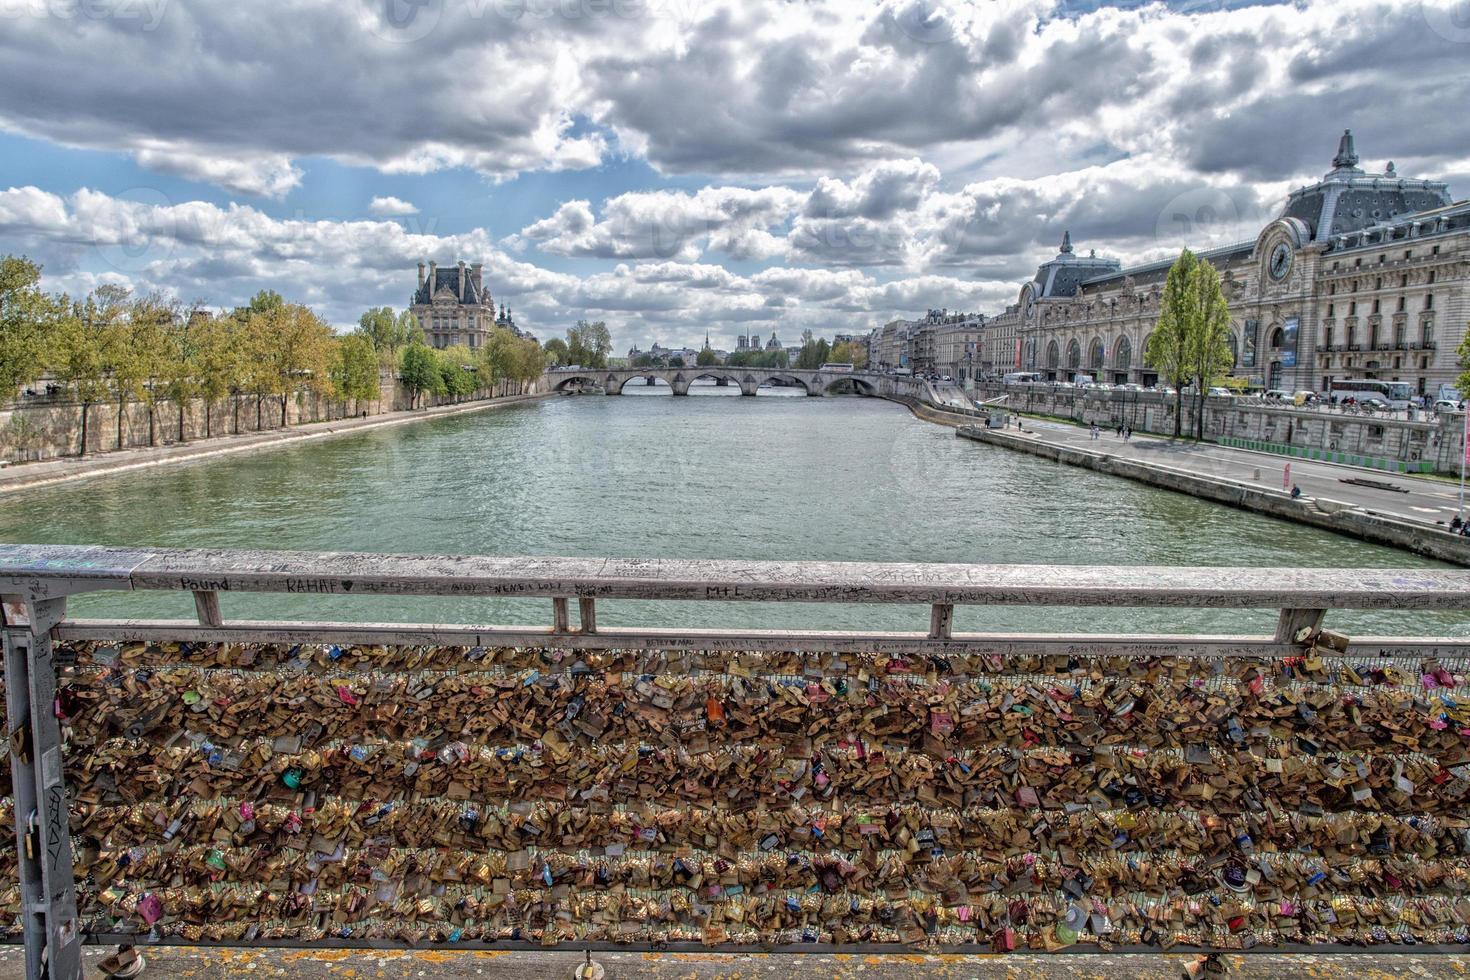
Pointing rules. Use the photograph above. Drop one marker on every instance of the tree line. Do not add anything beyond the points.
(113, 347)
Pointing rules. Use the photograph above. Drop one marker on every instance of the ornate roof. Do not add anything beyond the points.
(1348, 199)
(1062, 275)
(448, 278)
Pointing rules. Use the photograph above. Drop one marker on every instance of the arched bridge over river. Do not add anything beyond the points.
(749, 380)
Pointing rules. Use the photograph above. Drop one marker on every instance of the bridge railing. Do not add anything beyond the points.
(565, 784)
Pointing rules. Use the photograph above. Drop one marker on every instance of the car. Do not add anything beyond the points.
(1221, 393)
(1276, 395)
(1305, 398)
(1447, 405)
(1130, 386)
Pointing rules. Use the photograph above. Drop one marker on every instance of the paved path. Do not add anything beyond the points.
(217, 964)
(1426, 501)
(31, 475)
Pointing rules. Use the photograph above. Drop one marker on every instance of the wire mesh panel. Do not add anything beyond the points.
(321, 793)
(319, 784)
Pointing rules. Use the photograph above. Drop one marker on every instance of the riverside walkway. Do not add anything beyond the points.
(1425, 501)
(28, 476)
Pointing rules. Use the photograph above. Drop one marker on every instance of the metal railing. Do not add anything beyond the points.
(36, 581)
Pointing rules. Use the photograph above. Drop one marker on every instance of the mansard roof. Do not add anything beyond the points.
(1063, 275)
(448, 278)
(1348, 199)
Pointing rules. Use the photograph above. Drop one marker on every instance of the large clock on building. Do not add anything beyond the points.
(1280, 265)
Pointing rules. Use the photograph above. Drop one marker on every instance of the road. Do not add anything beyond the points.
(217, 964)
(1423, 501)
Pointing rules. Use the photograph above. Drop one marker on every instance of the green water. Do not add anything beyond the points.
(708, 476)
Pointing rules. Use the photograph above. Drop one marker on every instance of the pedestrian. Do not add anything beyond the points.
(1456, 524)
(1296, 492)
(1127, 433)
(1120, 430)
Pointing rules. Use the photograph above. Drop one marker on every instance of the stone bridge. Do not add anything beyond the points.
(748, 379)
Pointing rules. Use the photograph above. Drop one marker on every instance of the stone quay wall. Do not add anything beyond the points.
(36, 429)
(1394, 444)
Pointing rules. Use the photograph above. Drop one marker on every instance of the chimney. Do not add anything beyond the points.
(433, 278)
(421, 275)
(461, 280)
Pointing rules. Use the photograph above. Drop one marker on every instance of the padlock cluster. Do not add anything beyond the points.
(444, 794)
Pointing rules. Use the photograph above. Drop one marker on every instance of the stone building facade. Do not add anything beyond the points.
(1362, 275)
(453, 306)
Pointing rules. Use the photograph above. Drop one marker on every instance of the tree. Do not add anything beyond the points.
(216, 362)
(419, 372)
(27, 317)
(589, 344)
(295, 347)
(1209, 347)
(458, 373)
(707, 358)
(140, 355)
(388, 332)
(82, 354)
(355, 368)
(557, 352)
(849, 352)
(676, 361)
(1168, 350)
(1464, 380)
(814, 353)
(180, 379)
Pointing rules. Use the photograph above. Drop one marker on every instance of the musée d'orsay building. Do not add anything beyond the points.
(1362, 275)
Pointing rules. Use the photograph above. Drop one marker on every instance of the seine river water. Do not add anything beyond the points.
(708, 476)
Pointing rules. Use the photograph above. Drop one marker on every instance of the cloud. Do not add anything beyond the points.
(391, 207)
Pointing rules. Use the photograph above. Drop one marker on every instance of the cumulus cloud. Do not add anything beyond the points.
(387, 207)
(222, 255)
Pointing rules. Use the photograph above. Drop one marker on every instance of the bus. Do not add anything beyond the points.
(1021, 378)
(1395, 394)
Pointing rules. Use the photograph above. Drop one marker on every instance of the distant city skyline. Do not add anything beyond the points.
(826, 192)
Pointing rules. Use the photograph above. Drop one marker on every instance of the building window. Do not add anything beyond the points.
(1409, 254)
(1352, 309)
(1404, 280)
(1399, 329)
(1379, 283)
(1401, 304)
(1427, 332)
(1376, 306)
(1431, 277)
(1329, 334)
(1331, 309)
(1429, 302)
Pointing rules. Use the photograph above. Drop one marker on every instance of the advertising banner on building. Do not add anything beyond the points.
(1248, 343)
(1288, 342)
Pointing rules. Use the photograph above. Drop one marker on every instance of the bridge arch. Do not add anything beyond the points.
(578, 379)
(858, 386)
(787, 379)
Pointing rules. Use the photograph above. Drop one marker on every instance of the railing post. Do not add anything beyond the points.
(941, 621)
(1293, 620)
(560, 616)
(587, 612)
(43, 830)
(206, 607)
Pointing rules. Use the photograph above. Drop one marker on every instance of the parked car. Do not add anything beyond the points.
(1448, 405)
(1221, 393)
(1276, 395)
(1305, 399)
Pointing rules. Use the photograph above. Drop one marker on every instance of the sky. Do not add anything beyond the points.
(677, 167)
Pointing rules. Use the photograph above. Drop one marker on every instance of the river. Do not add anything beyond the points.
(713, 475)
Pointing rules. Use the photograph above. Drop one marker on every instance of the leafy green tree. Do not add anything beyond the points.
(1464, 380)
(458, 371)
(27, 317)
(813, 354)
(141, 356)
(1209, 329)
(557, 352)
(676, 361)
(389, 332)
(1169, 347)
(419, 372)
(216, 363)
(707, 358)
(180, 371)
(295, 347)
(589, 344)
(82, 352)
(528, 362)
(355, 369)
(849, 352)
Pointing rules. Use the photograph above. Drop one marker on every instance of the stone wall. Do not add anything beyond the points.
(35, 429)
(1388, 443)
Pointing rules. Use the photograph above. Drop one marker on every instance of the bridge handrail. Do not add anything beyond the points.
(49, 571)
